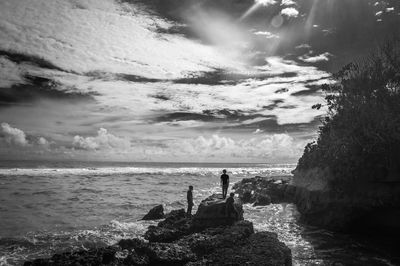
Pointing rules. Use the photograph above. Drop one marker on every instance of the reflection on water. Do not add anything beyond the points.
(314, 246)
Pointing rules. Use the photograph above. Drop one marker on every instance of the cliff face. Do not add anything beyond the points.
(365, 207)
(359, 206)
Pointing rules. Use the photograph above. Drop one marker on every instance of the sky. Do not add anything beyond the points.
(175, 80)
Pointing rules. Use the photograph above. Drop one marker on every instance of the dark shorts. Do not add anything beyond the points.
(224, 185)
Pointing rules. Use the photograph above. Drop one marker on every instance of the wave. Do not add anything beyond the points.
(143, 171)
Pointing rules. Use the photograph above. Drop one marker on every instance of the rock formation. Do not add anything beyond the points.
(212, 212)
(155, 213)
(363, 207)
(179, 240)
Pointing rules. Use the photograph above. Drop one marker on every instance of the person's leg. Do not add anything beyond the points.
(189, 209)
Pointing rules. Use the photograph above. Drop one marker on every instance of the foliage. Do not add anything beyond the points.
(360, 136)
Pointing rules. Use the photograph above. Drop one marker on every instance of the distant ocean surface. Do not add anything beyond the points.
(61, 206)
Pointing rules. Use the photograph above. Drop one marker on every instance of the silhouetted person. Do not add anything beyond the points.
(189, 201)
(224, 183)
(230, 207)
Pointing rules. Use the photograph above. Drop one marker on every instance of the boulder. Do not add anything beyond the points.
(155, 213)
(212, 213)
(95, 256)
(175, 225)
(169, 254)
(261, 189)
(262, 200)
(237, 245)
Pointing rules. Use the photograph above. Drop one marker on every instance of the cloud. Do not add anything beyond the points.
(102, 141)
(267, 34)
(303, 46)
(42, 141)
(265, 2)
(105, 36)
(315, 59)
(265, 147)
(290, 12)
(257, 131)
(13, 135)
(10, 73)
(288, 3)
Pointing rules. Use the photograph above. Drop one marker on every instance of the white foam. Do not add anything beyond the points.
(202, 171)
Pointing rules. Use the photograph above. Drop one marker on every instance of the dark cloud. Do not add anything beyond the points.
(209, 116)
(31, 59)
(270, 125)
(273, 105)
(37, 88)
(312, 90)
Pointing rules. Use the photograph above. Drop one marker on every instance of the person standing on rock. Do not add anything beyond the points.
(224, 183)
(189, 201)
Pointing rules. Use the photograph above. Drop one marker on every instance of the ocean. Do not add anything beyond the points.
(49, 207)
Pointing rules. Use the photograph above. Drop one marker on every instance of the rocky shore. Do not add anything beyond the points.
(207, 238)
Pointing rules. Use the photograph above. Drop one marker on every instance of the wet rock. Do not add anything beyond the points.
(260, 189)
(212, 213)
(169, 254)
(155, 213)
(161, 234)
(262, 200)
(247, 196)
(237, 245)
(175, 225)
(129, 244)
(97, 256)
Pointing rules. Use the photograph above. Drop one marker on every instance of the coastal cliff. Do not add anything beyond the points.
(369, 208)
(349, 178)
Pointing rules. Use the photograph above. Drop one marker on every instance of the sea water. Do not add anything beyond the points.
(55, 207)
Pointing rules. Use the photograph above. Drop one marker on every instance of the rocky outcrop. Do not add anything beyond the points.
(175, 225)
(177, 241)
(212, 213)
(365, 207)
(155, 213)
(237, 245)
(264, 190)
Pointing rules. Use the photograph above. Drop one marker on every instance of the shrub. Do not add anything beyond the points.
(360, 136)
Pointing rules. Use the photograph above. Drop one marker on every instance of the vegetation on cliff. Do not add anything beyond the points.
(360, 136)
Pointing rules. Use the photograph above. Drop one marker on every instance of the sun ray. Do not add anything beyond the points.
(257, 4)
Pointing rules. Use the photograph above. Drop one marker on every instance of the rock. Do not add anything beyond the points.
(212, 213)
(130, 244)
(161, 234)
(364, 207)
(262, 200)
(175, 225)
(155, 213)
(96, 256)
(237, 245)
(169, 254)
(262, 188)
(248, 196)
